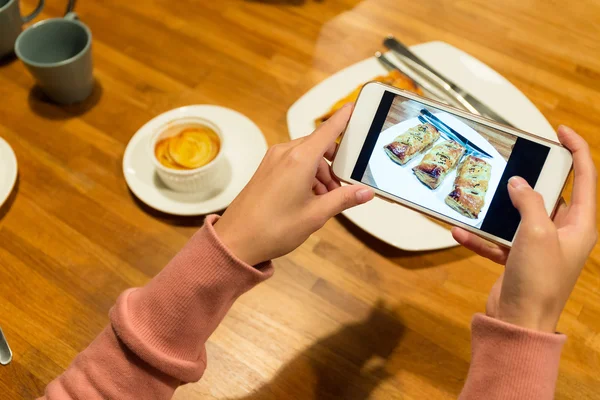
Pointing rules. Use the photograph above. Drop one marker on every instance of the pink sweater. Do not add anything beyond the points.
(156, 339)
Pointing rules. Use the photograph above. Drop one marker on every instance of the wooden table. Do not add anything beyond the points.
(345, 316)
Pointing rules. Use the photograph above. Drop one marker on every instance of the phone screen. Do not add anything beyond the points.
(447, 164)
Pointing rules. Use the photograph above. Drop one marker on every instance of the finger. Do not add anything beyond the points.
(584, 188)
(324, 175)
(561, 211)
(326, 134)
(529, 203)
(480, 246)
(343, 198)
(330, 151)
(319, 188)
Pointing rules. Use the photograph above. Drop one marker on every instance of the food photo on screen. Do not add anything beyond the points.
(440, 161)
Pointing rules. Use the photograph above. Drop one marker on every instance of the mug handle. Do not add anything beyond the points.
(35, 12)
(70, 8)
(72, 16)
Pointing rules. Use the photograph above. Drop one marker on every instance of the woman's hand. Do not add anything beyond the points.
(547, 255)
(291, 195)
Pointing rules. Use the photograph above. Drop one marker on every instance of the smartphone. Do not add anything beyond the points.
(446, 163)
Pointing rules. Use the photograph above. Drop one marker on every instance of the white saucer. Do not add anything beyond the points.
(244, 147)
(8, 170)
(388, 221)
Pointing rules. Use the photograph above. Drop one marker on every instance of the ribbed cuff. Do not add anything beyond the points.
(511, 362)
(167, 322)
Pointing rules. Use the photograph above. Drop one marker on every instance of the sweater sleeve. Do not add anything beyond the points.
(156, 339)
(509, 362)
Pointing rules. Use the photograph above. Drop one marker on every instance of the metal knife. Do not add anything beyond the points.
(470, 150)
(464, 97)
(438, 123)
(443, 133)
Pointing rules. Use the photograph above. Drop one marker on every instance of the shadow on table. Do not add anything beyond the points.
(175, 220)
(405, 259)
(8, 59)
(46, 108)
(10, 200)
(348, 364)
(353, 361)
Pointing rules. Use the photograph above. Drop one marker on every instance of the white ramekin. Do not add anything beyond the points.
(205, 179)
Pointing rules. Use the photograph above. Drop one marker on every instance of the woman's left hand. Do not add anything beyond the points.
(291, 195)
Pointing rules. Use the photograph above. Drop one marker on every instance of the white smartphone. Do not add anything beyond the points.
(446, 163)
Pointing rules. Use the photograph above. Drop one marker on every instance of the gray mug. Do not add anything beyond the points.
(58, 53)
(11, 23)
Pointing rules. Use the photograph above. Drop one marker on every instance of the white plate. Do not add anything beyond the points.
(383, 219)
(8, 170)
(400, 179)
(244, 147)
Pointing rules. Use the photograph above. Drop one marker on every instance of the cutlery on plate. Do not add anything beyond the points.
(443, 134)
(470, 150)
(386, 61)
(434, 91)
(5, 352)
(467, 100)
(448, 130)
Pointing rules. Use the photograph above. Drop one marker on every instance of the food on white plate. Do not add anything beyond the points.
(412, 142)
(393, 78)
(470, 187)
(438, 162)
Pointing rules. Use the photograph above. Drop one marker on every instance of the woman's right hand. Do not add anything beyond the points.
(547, 255)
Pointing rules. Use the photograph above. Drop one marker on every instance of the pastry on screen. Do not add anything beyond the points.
(412, 142)
(393, 78)
(470, 187)
(438, 162)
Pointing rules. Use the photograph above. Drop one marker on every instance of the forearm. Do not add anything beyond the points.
(509, 362)
(157, 336)
(107, 369)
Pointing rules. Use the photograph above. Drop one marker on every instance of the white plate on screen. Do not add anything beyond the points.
(8, 170)
(244, 147)
(385, 220)
(393, 178)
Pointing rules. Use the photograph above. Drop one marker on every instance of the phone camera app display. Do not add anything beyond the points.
(447, 164)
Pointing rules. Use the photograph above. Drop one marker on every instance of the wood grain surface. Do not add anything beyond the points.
(345, 316)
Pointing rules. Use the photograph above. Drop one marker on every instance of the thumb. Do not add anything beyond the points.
(344, 197)
(529, 202)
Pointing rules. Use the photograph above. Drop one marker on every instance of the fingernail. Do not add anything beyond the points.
(517, 182)
(364, 195)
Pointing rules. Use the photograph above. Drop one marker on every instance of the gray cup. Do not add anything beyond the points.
(58, 53)
(11, 23)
